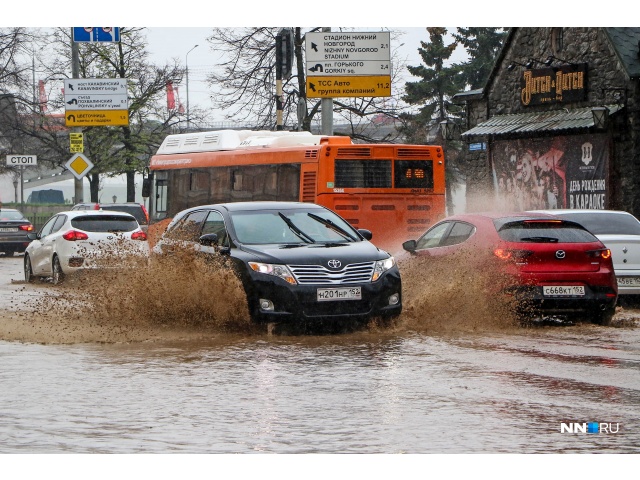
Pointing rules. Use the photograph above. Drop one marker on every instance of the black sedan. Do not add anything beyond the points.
(14, 231)
(297, 261)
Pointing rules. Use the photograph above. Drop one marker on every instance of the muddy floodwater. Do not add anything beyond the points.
(169, 363)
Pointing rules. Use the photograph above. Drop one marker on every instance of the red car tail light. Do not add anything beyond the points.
(604, 253)
(73, 235)
(96, 207)
(27, 228)
(146, 213)
(138, 236)
(512, 254)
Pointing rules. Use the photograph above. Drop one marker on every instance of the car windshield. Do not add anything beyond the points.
(602, 224)
(290, 226)
(104, 223)
(541, 231)
(10, 215)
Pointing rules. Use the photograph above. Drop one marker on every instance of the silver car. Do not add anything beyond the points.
(620, 232)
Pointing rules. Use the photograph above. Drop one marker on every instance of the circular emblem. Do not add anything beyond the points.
(334, 263)
(560, 254)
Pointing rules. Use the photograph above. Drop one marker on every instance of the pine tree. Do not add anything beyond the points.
(482, 45)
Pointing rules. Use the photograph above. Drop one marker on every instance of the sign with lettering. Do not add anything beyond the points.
(96, 118)
(96, 102)
(348, 64)
(76, 143)
(556, 172)
(566, 83)
(329, 87)
(20, 160)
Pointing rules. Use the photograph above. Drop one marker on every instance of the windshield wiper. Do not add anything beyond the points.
(540, 239)
(333, 226)
(295, 229)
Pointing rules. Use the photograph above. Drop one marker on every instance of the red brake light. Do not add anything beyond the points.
(512, 254)
(96, 207)
(26, 228)
(138, 236)
(604, 253)
(502, 254)
(73, 235)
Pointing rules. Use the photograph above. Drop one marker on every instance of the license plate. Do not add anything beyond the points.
(629, 281)
(8, 229)
(333, 294)
(563, 291)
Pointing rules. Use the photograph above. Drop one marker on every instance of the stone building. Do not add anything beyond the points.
(557, 123)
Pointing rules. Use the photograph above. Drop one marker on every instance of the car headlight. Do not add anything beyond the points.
(382, 266)
(277, 270)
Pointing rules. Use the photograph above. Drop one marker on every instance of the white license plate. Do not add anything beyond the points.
(333, 294)
(629, 281)
(563, 290)
(8, 229)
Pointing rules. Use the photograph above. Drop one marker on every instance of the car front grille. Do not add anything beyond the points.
(319, 275)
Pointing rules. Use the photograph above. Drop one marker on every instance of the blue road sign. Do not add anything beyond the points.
(96, 34)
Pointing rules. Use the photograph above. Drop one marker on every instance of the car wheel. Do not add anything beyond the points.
(28, 271)
(58, 274)
(603, 318)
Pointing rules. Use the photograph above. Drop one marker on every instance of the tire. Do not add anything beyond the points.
(28, 271)
(603, 318)
(56, 271)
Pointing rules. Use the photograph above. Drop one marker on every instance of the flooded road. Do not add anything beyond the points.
(204, 389)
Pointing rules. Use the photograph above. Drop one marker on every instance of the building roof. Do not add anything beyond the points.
(537, 122)
(626, 42)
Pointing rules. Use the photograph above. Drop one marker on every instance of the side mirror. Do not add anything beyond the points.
(410, 246)
(365, 233)
(209, 240)
(33, 236)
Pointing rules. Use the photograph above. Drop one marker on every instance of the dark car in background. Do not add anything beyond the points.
(551, 266)
(138, 210)
(15, 231)
(298, 262)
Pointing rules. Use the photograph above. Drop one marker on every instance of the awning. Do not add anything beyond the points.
(537, 122)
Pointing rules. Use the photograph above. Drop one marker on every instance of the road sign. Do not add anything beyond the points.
(79, 165)
(351, 53)
(96, 34)
(96, 102)
(96, 118)
(19, 160)
(76, 143)
(330, 87)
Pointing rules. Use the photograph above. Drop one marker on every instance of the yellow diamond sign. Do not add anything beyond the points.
(79, 165)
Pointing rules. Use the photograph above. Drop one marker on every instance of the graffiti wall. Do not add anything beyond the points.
(556, 172)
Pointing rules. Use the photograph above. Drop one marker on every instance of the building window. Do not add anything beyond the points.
(557, 40)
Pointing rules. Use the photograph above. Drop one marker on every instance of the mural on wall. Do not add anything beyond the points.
(556, 172)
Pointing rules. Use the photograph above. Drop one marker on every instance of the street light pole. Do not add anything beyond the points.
(186, 63)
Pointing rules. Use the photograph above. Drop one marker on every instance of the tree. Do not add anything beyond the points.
(482, 45)
(113, 150)
(245, 85)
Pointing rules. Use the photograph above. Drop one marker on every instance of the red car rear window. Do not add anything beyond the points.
(541, 231)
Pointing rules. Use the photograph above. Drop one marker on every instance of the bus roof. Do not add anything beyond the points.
(234, 139)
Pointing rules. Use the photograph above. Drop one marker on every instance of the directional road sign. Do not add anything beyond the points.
(96, 34)
(96, 102)
(79, 165)
(363, 86)
(348, 64)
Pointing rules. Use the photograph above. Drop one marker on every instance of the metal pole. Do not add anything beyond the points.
(326, 108)
(21, 186)
(186, 63)
(279, 60)
(78, 185)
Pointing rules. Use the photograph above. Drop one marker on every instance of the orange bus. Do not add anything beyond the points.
(396, 191)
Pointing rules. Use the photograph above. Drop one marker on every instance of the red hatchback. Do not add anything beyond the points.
(549, 265)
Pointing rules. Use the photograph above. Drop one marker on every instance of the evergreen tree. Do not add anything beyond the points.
(482, 45)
